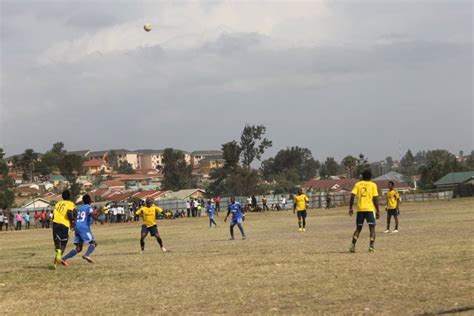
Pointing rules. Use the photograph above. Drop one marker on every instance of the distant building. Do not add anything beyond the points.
(198, 156)
(453, 179)
(150, 158)
(210, 163)
(96, 166)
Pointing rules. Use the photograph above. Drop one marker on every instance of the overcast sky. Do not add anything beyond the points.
(338, 77)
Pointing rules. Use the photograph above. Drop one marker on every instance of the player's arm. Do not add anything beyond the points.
(294, 205)
(71, 217)
(228, 213)
(96, 216)
(351, 204)
(306, 199)
(375, 199)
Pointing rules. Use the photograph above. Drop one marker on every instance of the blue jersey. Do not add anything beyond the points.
(84, 217)
(211, 209)
(236, 210)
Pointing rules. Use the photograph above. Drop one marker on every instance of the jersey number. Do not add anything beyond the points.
(81, 217)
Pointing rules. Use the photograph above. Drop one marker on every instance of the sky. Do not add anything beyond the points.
(338, 77)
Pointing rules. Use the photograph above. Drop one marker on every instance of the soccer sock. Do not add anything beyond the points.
(372, 241)
(299, 224)
(160, 242)
(70, 255)
(58, 254)
(90, 250)
(232, 231)
(304, 222)
(241, 228)
(354, 240)
(142, 244)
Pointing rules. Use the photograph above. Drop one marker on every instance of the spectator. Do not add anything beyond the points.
(264, 204)
(49, 219)
(43, 219)
(188, 207)
(218, 204)
(328, 201)
(2, 218)
(19, 220)
(36, 218)
(249, 201)
(27, 220)
(6, 220)
(254, 202)
(283, 202)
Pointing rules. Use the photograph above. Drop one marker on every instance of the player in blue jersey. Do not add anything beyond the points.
(211, 210)
(85, 216)
(235, 209)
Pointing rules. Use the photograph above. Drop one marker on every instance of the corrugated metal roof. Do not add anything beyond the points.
(455, 178)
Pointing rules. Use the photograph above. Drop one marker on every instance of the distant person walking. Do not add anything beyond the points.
(264, 203)
(36, 218)
(2, 219)
(27, 220)
(43, 216)
(218, 204)
(19, 220)
(188, 208)
(211, 210)
(300, 208)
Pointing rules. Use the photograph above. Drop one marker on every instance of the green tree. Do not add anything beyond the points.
(126, 168)
(362, 164)
(58, 148)
(7, 197)
(27, 162)
(350, 164)
(177, 173)
(231, 154)
(438, 163)
(71, 168)
(407, 164)
(252, 144)
(295, 160)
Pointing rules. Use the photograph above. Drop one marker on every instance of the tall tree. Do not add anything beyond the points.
(389, 162)
(231, 154)
(71, 168)
(7, 198)
(253, 144)
(28, 160)
(350, 163)
(58, 148)
(126, 168)
(177, 173)
(438, 164)
(362, 164)
(296, 160)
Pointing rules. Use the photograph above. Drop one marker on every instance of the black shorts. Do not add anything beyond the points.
(60, 232)
(392, 212)
(153, 230)
(301, 214)
(365, 216)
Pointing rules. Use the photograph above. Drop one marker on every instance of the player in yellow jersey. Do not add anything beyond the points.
(300, 205)
(148, 213)
(63, 220)
(393, 204)
(367, 194)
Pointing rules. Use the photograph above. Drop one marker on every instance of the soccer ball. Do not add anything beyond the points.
(147, 27)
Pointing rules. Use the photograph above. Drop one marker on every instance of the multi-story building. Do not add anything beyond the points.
(198, 156)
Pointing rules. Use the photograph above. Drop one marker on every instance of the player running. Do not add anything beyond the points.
(63, 219)
(235, 209)
(83, 234)
(367, 202)
(148, 213)
(300, 206)
(211, 210)
(393, 204)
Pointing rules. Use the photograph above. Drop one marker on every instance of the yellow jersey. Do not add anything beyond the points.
(301, 201)
(392, 199)
(60, 213)
(365, 191)
(149, 215)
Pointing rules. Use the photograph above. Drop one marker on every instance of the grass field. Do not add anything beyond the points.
(425, 269)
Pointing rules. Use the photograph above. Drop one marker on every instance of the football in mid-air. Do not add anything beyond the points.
(147, 27)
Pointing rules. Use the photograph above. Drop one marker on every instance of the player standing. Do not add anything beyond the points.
(211, 210)
(300, 206)
(393, 206)
(63, 219)
(235, 209)
(367, 203)
(148, 213)
(83, 234)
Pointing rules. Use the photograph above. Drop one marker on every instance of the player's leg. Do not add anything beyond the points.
(396, 222)
(359, 225)
(89, 251)
(78, 242)
(155, 233)
(241, 228)
(303, 216)
(389, 218)
(232, 230)
(298, 214)
(143, 234)
(370, 217)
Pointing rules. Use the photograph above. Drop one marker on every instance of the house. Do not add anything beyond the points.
(395, 177)
(96, 166)
(17, 178)
(115, 185)
(185, 194)
(453, 179)
(197, 156)
(17, 158)
(36, 204)
(27, 191)
(151, 158)
(51, 197)
(211, 162)
(97, 155)
(149, 194)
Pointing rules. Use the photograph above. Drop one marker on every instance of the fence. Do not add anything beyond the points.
(316, 200)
